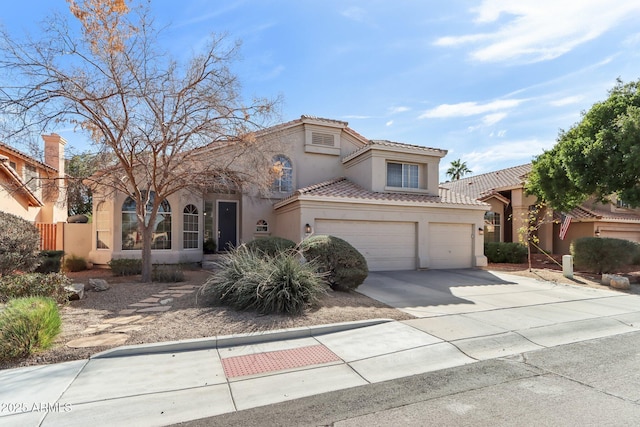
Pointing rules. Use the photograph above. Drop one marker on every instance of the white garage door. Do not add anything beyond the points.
(450, 245)
(385, 245)
(634, 236)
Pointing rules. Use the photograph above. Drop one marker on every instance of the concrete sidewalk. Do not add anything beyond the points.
(167, 383)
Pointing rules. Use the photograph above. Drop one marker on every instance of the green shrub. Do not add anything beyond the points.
(50, 262)
(505, 252)
(602, 254)
(125, 266)
(167, 273)
(270, 246)
(209, 246)
(248, 279)
(19, 244)
(28, 325)
(346, 268)
(34, 285)
(75, 263)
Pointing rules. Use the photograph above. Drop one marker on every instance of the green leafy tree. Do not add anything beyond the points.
(169, 125)
(458, 169)
(598, 156)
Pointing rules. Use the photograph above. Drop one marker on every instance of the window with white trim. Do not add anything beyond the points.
(103, 226)
(262, 226)
(491, 227)
(31, 177)
(190, 230)
(161, 235)
(402, 175)
(284, 174)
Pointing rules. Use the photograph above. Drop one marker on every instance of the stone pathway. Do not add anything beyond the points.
(113, 332)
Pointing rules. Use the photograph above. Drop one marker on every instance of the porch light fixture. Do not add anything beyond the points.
(597, 232)
(480, 231)
(307, 228)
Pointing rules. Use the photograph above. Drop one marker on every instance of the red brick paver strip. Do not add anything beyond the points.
(259, 363)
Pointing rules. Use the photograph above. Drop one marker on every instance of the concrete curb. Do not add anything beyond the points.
(234, 340)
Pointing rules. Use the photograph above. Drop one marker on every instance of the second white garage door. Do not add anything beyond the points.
(450, 245)
(385, 245)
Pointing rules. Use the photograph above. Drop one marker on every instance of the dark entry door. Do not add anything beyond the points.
(227, 225)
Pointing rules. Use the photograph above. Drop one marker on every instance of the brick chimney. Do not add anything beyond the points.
(54, 152)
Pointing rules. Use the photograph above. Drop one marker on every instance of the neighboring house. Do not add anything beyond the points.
(32, 189)
(383, 197)
(504, 191)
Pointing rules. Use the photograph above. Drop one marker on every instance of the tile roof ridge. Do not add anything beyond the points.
(319, 185)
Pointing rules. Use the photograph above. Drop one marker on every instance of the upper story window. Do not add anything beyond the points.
(403, 175)
(622, 204)
(284, 178)
(31, 177)
(161, 235)
(13, 165)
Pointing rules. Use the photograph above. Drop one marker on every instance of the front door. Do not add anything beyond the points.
(227, 225)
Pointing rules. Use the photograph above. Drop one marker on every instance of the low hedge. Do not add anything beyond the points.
(50, 262)
(125, 266)
(35, 284)
(602, 254)
(505, 252)
(28, 325)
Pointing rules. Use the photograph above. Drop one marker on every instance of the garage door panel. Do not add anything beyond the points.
(385, 245)
(450, 245)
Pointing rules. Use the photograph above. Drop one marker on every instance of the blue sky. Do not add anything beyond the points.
(491, 81)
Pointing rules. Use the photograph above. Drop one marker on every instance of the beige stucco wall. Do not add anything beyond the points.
(292, 218)
(174, 255)
(77, 239)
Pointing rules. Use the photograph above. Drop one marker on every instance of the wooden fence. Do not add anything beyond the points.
(47, 236)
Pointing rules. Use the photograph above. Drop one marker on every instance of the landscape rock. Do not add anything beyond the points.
(76, 291)
(98, 285)
(619, 282)
(606, 279)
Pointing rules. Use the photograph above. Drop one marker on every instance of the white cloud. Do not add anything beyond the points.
(538, 30)
(513, 151)
(492, 119)
(389, 123)
(567, 100)
(465, 109)
(396, 110)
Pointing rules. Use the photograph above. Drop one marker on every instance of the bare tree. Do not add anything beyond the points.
(169, 126)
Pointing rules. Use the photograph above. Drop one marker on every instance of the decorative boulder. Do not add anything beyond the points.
(606, 279)
(98, 285)
(619, 282)
(75, 290)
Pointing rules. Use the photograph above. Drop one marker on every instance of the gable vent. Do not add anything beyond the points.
(325, 139)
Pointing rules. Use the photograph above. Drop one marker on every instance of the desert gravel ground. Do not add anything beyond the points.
(192, 316)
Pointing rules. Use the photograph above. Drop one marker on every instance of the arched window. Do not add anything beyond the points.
(103, 226)
(190, 232)
(262, 226)
(284, 180)
(132, 238)
(491, 227)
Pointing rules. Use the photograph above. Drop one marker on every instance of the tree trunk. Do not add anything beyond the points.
(529, 252)
(146, 254)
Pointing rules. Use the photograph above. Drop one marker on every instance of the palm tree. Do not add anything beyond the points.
(458, 169)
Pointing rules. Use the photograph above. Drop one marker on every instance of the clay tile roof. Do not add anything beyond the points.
(482, 185)
(590, 213)
(343, 188)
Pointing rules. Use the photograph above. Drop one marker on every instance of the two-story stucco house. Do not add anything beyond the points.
(383, 197)
(32, 189)
(504, 191)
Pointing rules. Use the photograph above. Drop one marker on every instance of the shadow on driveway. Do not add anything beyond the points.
(406, 289)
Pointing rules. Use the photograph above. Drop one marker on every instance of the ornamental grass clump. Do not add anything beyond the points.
(28, 325)
(251, 280)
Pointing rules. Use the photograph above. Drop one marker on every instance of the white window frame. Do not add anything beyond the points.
(406, 175)
(194, 235)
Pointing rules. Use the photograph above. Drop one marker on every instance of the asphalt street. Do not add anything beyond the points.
(589, 383)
